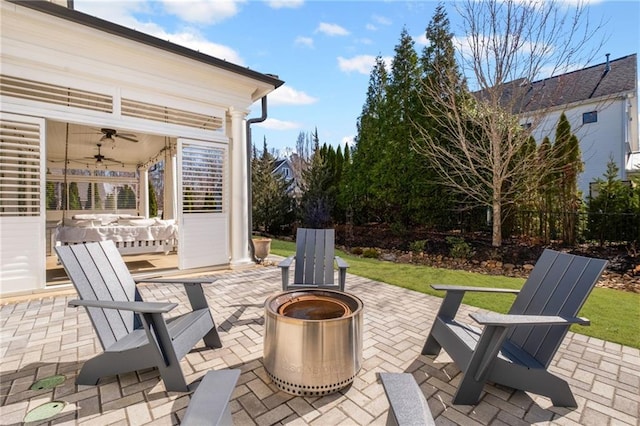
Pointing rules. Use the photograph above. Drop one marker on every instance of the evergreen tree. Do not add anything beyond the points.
(369, 146)
(438, 65)
(153, 201)
(52, 199)
(614, 209)
(92, 193)
(126, 198)
(318, 198)
(567, 164)
(399, 173)
(74, 197)
(272, 205)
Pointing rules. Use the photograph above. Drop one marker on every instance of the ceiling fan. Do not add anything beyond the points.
(110, 134)
(101, 159)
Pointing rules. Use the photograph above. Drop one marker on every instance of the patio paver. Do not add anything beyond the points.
(43, 337)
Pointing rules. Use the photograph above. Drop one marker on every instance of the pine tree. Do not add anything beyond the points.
(369, 145)
(608, 210)
(568, 164)
(74, 197)
(317, 200)
(153, 201)
(399, 174)
(438, 65)
(272, 205)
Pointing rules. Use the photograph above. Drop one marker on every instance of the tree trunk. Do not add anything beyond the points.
(496, 233)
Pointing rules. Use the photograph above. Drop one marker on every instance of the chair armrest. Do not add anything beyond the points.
(203, 280)
(341, 263)
(285, 263)
(506, 320)
(139, 307)
(462, 288)
(193, 287)
(342, 272)
(455, 294)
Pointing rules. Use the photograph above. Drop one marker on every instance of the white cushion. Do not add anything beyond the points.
(84, 216)
(107, 218)
(137, 222)
(82, 223)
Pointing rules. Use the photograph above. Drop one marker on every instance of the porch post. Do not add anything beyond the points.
(143, 182)
(239, 214)
(169, 207)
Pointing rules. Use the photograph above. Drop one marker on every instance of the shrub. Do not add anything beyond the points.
(418, 246)
(370, 253)
(458, 248)
(357, 251)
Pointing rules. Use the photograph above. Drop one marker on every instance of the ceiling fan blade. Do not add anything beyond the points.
(127, 137)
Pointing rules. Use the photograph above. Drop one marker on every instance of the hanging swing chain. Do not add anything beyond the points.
(66, 165)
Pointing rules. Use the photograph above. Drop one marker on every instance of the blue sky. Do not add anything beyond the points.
(323, 50)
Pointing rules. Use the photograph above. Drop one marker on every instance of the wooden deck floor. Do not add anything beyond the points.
(139, 263)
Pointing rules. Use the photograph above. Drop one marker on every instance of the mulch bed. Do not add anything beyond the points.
(515, 258)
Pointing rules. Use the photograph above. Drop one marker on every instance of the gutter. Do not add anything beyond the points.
(252, 249)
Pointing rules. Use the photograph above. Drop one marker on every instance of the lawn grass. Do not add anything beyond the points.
(614, 314)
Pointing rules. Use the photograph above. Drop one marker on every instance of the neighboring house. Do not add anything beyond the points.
(601, 104)
(87, 107)
(285, 168)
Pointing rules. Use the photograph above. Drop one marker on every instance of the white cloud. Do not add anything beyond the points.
(304, 41)
(362, 64)
(382, 20)
(421, 40)
(331, 29)
(289, 4)
(122, 13)
(275, 124)
(194, 41)
(371, 27)
(203, 11)
(348, 140)
(286, 95)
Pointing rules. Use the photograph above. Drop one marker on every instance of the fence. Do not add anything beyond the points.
(576, 226)
(547, 226)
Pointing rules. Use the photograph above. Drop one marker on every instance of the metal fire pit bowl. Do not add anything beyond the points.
(313, 340)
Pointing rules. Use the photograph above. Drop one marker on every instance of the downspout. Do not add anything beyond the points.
(252, 250)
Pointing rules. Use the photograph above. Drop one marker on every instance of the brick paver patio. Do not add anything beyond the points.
(44, 337)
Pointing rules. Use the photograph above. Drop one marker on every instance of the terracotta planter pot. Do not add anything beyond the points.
(262, 247)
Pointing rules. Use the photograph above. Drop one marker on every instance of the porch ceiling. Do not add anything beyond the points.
(83, 142)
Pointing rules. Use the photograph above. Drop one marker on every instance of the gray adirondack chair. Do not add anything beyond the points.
(314, 261)
(134, 334)
(515, 349)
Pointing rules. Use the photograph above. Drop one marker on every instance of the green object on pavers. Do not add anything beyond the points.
(48, 382)
(44, 411)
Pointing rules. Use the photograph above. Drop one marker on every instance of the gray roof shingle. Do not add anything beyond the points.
(588, 83)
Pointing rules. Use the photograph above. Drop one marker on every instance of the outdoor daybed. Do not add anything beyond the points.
(131, 234)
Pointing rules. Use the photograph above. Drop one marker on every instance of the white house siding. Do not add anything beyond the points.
(600, 142)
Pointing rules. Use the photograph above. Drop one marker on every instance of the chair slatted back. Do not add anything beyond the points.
(558, 285)
(98, 272)
(314, 256)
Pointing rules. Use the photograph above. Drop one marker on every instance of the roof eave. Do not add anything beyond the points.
(137, 36)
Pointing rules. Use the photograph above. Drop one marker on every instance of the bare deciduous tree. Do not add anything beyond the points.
(481, 148)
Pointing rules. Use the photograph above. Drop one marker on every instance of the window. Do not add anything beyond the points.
(590, 117)
(98, 190)
(202, 179)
